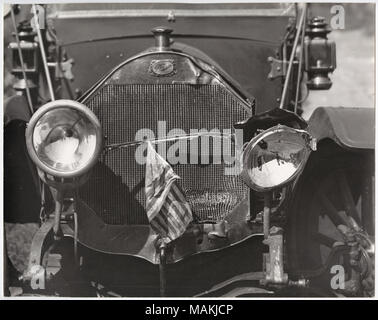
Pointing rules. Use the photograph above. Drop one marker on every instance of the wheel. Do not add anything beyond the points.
(331, 224)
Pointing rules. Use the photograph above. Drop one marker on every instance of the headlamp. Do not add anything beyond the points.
(275, 157)
(64, 139)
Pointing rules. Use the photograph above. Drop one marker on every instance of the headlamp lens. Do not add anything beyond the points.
(64, 139)
(275, 157)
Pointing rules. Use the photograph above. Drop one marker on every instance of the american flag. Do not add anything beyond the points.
(167, 209)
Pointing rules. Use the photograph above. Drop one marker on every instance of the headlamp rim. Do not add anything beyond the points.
(69, 104)
(252, 144)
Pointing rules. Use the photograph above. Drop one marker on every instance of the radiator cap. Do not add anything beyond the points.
(162, 38)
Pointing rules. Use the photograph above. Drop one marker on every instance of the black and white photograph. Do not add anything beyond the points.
(187, 149)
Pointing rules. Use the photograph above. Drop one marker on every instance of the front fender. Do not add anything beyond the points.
(351, 128)
(16, 108)
(21, 186)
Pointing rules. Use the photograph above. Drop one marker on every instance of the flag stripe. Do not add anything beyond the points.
(157, 203)
(170, 223)
(168, 229)
(171, 202)
(176, 223)
(161, 224)
(156, 226)
(177, 194)
(165, 217)
(181, 213)
(170, 220)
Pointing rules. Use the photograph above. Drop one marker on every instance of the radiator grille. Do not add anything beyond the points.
(115, 190)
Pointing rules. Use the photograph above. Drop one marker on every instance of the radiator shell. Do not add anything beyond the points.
(115, 190)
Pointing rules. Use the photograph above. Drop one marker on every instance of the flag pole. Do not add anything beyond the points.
(162, 268)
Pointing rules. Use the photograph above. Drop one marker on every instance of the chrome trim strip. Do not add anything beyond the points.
(163, 13)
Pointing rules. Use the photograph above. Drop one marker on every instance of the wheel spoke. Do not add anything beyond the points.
(331, 211)
(348, 201)
(324, 239)
(367, 205)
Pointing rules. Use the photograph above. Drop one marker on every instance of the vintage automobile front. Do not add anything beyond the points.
(241, 153)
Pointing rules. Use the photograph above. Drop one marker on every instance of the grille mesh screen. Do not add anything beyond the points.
(115, 190)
